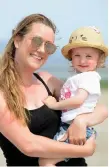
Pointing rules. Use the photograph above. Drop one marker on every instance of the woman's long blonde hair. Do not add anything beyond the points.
(9, 77)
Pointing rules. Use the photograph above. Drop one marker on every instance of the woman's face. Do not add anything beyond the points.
(26, 53)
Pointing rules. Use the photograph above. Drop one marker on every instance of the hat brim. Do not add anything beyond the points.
(68, 47)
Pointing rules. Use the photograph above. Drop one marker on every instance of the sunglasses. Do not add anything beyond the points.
(49, 47)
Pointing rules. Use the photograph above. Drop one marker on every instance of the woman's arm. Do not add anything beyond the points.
(98, 116)
(35, 145)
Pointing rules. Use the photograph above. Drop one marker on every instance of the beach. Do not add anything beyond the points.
(100, 157)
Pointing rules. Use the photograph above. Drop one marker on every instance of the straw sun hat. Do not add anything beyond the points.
(85, 37)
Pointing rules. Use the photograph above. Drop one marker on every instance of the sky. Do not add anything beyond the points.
(66, 14)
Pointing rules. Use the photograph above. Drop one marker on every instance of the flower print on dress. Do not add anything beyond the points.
(65, 94)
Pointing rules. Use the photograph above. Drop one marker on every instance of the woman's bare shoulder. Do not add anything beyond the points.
(49, 77)
(45, 74)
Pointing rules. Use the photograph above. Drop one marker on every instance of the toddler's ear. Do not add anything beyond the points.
(101, 61)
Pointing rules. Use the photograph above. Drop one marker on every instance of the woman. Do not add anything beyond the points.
(25, 123)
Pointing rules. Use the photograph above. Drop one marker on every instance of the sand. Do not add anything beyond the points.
(100, 157)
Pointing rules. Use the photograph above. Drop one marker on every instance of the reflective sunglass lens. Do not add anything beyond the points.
(37, 41)
(50, 48)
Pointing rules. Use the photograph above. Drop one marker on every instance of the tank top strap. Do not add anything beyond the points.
(40, 79)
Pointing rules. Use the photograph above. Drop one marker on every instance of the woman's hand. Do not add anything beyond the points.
(50, 101)
(76, 132)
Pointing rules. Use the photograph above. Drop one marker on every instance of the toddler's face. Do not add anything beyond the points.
(85, 59)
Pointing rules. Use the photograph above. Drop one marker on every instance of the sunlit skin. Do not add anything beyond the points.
(85, 59)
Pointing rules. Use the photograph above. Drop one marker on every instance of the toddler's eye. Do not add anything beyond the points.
(76, 55)
(88, 56)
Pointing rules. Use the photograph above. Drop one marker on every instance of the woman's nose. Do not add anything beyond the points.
(41, 48)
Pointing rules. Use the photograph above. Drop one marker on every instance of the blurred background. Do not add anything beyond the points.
(67, 15)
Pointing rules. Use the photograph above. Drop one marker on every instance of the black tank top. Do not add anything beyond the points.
(44, 122)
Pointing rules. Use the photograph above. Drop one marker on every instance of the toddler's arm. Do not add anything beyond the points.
(69, 103)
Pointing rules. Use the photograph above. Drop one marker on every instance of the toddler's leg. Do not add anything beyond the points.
(48, 162)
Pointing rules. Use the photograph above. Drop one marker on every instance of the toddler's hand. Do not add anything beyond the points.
(50, 101)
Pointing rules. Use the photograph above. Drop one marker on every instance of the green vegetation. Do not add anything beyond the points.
(104, 84)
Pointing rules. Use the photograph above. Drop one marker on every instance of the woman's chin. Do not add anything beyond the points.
(36, 66)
